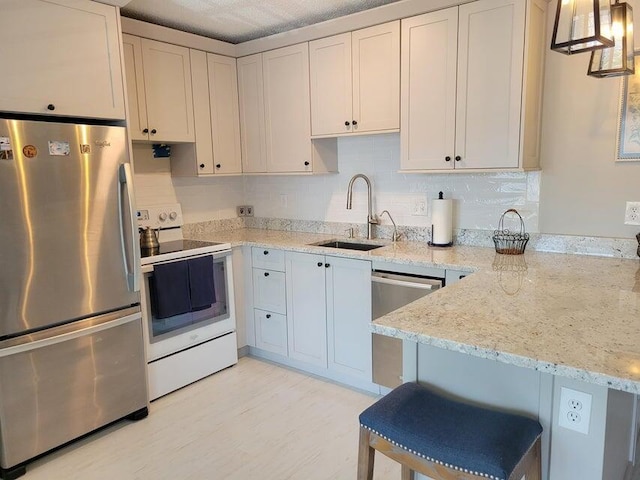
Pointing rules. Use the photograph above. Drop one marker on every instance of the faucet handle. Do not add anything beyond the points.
(374, 220)
(349, 232)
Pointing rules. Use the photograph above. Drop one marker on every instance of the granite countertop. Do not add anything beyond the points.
(570, 315)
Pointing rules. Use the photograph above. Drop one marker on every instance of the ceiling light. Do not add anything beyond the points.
(581, 26)
(617, 60)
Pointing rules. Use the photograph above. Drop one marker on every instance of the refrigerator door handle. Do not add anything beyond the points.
(28, 345)
(134, 273)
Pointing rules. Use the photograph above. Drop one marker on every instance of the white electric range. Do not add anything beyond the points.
(187, 346)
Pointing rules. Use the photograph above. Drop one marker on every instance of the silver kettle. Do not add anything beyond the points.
(148, 239)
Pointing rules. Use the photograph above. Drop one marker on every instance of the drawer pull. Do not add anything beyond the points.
(266, 252)
(268, 315)
(327, 265)
(266, 274)
(319, 264)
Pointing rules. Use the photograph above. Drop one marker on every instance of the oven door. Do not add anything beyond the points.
(170, 335)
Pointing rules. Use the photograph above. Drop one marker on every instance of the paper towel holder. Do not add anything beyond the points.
(430, 243)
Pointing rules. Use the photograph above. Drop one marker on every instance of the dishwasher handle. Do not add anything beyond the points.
(425, 284)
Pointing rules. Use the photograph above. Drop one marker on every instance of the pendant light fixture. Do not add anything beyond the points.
(617, 60)
(581, 26)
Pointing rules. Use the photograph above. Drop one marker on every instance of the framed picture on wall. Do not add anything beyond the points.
(628, 137)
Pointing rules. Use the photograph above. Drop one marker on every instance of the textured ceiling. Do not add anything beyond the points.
(237, 21)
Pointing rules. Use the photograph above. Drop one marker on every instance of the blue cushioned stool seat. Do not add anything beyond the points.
(462, 437)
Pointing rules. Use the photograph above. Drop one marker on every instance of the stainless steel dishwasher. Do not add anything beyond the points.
(390, 291)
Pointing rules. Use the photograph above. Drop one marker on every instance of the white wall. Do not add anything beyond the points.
(202, 199)
(583, 191)
(480, 199)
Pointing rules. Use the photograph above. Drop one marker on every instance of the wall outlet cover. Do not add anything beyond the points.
(575, 410)
(632, 213)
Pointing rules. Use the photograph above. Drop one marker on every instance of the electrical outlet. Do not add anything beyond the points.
(632, 213)
(575, 410)
(244, 210)
(420, 206)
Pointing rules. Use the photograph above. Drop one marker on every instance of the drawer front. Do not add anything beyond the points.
(269, 291)
(271, 332)
(267, 258)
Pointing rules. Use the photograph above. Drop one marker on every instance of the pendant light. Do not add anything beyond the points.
(617, 60)
(581, 26)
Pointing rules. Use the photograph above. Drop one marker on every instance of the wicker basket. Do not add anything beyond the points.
(507, 242)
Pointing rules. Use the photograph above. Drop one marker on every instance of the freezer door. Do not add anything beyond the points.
(68, 249)
(61, 383)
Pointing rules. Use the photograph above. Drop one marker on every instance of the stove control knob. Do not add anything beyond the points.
(173, 215)
(162, 217)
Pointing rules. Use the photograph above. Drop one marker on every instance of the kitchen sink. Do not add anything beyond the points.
(364, 247)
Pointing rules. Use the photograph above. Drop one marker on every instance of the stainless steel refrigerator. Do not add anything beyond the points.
(71, 340)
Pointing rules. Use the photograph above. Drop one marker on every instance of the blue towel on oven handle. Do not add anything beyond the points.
(170, 284)
(202, 288)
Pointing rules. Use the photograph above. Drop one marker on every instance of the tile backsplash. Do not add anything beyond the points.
(479, 199)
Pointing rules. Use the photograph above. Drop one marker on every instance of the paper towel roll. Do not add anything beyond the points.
(442, 222)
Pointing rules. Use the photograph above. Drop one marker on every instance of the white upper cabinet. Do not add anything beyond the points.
(471, 85)
(490, 62)
(429, 58)
(225, 115)
(251, 93)
(61, 57)
(286, 108)
(275, 118)
(217, 124)
(331, 85)
(355, 81)
(164, 87)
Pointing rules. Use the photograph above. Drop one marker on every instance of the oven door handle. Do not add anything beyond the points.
(134, 273)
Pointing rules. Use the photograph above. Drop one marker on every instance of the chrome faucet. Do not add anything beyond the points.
(371, 219)
(395, 236)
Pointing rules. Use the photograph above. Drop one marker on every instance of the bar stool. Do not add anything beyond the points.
(447, 440)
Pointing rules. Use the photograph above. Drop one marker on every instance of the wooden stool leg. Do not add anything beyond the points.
(365, 456)
(535, 470)
(407, 473)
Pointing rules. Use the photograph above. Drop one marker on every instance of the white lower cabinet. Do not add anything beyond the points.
(329, 311)
(348, 286)
(271, 331)
(312, 312)
(306, 307)
(269, 290)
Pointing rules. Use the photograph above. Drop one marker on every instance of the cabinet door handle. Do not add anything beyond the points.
(51, 107)
(268, 315)
(306, 164)
(202, 165)
(327, 265)
(266, 274)
(347, 123)
(153, 131)
(355, 122)
(218, 165)
(458, 158)
(145, 131)
(266, 252)
(447, 158)
(319, 264)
